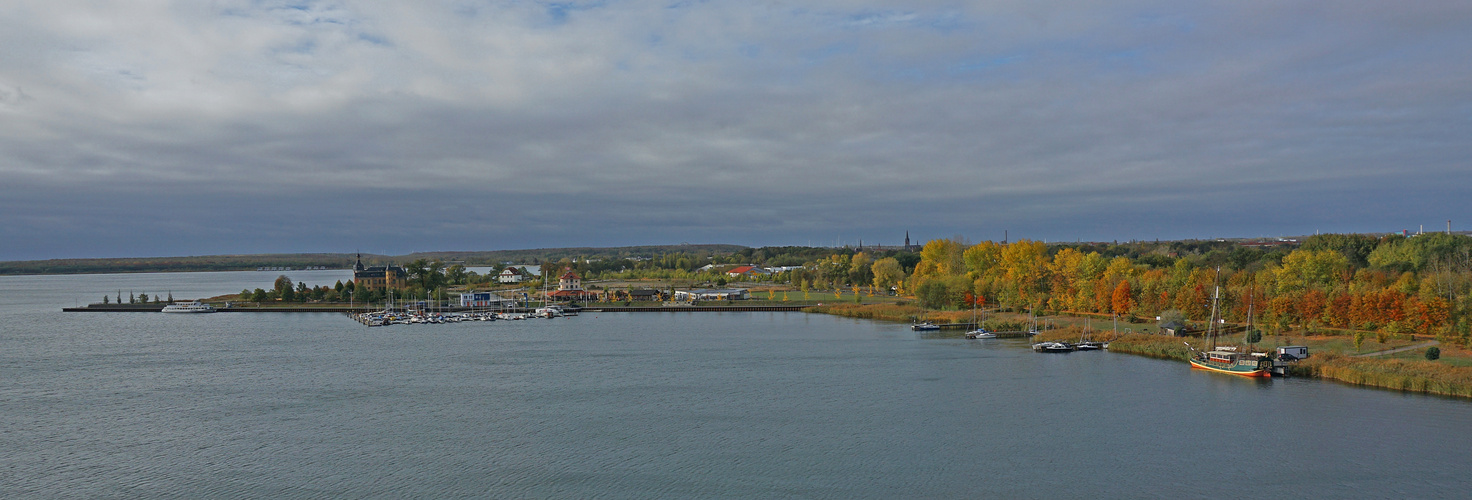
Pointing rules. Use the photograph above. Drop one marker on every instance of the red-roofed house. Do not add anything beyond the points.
(746, 271)
(570, 288)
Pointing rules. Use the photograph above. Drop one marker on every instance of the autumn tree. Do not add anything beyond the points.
(940, 258)
(1024, 272)
(1122, 301)
(887, 272)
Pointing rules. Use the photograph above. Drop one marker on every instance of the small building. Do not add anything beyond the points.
(1173, 328)
(378, 277)
(713, 294)
(570, 288)
(746, 271)
(484, 299)
(511, 275)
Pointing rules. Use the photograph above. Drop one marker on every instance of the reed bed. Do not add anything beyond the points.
(1405, 375)
(1154, 346)
(883, 312)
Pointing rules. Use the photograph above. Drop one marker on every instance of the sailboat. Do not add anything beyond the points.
(1084, 344)
(1227, 359)
(980, 332)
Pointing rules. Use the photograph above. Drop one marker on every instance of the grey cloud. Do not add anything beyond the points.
(506, 124)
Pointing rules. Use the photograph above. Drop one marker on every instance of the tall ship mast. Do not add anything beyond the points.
(1227, 359)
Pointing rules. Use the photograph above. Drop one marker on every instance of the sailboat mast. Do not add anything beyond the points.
(1216, 297)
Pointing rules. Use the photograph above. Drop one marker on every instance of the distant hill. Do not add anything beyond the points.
(341, 260)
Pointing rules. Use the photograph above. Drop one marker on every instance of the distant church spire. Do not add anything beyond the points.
(358, 266)
(907, 240)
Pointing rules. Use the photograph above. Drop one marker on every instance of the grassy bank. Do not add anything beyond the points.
(1400, 374)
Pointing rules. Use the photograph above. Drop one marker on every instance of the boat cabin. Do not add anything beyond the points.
(1221, 356)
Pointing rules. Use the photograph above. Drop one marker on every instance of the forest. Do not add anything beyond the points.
(1389, 284)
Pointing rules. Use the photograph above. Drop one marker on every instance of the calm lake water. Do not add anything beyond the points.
(656, 405)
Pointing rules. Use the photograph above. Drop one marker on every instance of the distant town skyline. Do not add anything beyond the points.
(186, 128)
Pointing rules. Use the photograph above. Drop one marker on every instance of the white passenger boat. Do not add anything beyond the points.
(189, 307)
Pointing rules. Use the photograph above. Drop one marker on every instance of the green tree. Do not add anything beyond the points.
(104, 299)
(1311, 269)
(282, 284)
(456, 274)
(1433, 353)
(1254, 336)
(1355, 247)
(931, 292)
(887, 273)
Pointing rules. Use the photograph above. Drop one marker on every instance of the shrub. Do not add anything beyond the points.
(1433, 353)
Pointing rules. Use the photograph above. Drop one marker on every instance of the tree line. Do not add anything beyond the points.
(1391, 284)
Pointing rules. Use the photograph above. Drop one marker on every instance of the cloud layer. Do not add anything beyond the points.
(166, 128)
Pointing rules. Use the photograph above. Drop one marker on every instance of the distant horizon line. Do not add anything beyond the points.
(856, 244)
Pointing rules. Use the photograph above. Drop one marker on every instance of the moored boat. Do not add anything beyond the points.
(189, 307)
(1232, 362)
(981, 333)
(1227, 359)
(1053, 347)
(926, 326)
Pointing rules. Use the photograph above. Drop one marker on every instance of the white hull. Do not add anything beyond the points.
(189, 308)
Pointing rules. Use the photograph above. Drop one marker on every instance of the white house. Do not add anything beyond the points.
(511, 275)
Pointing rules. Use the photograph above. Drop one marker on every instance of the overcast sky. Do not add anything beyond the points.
(159, 128)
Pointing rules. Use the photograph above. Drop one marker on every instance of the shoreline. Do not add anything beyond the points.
(447, 310)
(1422, 377)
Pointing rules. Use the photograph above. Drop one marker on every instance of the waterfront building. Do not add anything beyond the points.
(713, 294)
(484, 299)
(378, 277)
(570, 288)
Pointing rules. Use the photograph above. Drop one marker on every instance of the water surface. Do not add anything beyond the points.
(655, 405)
